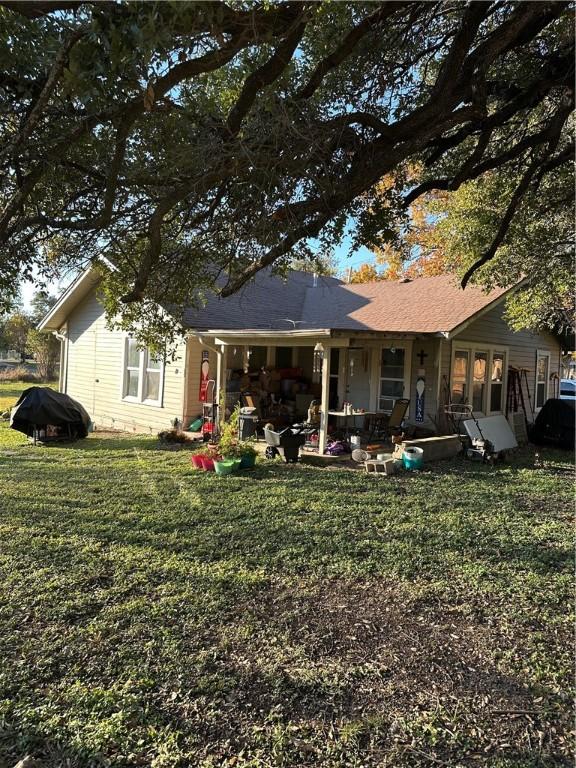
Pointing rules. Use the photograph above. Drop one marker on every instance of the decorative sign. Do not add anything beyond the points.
(420, 389)
(204, 376)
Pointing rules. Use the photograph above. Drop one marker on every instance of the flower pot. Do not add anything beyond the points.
(196, 460)
(224, 466)
(248, 461)
(207, 464)
(237, 463)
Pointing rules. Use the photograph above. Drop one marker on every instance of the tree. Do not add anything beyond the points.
(40, 304)
(16, 330)
(189, 141)
(365, 273)
(46, 349)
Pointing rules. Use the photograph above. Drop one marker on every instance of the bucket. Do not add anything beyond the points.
(195, 426)
(207, 464)
(224, 466)
(248, 461)
(196, 461)
(413, 458)
(355, 441)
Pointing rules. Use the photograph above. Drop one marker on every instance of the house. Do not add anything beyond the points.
(368, 344)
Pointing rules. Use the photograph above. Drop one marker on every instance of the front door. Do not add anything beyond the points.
(394, 375)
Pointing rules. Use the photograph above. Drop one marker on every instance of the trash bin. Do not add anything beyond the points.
(247, 426)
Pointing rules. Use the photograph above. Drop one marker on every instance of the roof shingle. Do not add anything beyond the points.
(424, 305)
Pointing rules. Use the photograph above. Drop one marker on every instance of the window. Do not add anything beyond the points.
(132, 386)
(460, 377)
(542, 370)
(497, 381)
(152, 378)
(143, 375)
(478, 378)
(391, 378)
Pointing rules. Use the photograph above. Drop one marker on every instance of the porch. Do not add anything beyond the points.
(281, 374)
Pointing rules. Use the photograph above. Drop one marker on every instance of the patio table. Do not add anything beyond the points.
(353, 415)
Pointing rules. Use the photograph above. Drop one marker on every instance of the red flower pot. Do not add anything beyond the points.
(196, 461)
(207, 464)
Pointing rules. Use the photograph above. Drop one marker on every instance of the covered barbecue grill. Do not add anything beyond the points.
(46, 415)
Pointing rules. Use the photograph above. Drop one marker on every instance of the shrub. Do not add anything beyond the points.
(19, 373)
(173, 436)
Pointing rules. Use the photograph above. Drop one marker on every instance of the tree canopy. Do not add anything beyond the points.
(192, 144)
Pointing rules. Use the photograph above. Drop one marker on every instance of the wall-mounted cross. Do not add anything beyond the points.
(421, 355)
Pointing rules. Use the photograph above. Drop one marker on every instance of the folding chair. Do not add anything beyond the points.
(383, 426)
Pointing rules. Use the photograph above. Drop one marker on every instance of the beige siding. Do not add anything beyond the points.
(192, 406)
(95, 375)
(491, 329)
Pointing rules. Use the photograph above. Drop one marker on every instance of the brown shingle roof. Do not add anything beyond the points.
(424, 305)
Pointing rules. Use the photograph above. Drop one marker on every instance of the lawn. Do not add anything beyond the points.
(151, 615)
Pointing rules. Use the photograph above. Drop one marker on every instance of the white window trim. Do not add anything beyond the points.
(490, 350)
(142, 369)
(542, 353)
(377, 378)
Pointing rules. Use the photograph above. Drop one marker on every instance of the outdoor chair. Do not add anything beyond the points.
(386, 425)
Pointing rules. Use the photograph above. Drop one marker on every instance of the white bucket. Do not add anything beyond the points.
(355, 441)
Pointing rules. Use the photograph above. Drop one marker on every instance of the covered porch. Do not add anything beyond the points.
(282, 373)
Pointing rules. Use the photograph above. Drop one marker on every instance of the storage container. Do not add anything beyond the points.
(196, 460)
(224, 466)
(413, 458)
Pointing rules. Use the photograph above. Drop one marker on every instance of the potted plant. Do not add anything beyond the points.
(247, 454)
(229, 445)
(205, 458)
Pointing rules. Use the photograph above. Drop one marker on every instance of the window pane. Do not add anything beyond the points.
(542, 366)
(496, 378)
(393, 389)
(541, 380)
(152, 386)
(479, 380)
(153, 363)
(392, 366)
(460, 377)
(133, 354)
(334, 362)
(132, 383)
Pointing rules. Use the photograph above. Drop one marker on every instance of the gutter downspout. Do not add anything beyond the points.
(63, 372)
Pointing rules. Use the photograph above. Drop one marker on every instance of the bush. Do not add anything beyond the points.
(173, 436)
(19, 373)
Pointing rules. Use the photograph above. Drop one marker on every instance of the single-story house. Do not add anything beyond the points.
(368, 344)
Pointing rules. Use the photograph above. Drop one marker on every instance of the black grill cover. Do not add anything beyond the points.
(555, 423)
(38, 406)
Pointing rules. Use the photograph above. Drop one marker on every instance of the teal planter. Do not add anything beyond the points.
(248, 462)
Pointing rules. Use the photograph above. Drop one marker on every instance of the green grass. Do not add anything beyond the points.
(151, 615)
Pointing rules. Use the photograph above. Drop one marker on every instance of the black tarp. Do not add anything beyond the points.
(39, 406)
(556, 423)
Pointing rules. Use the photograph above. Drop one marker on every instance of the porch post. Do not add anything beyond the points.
(221, 380)
(325, 401)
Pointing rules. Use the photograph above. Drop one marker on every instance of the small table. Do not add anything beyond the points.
(353, 415)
